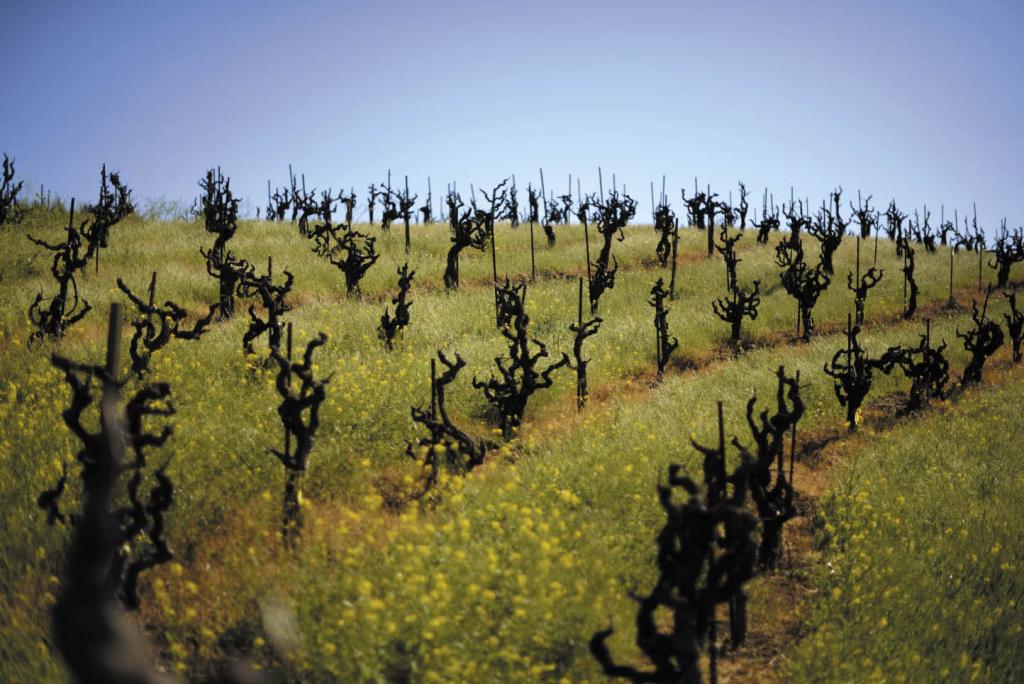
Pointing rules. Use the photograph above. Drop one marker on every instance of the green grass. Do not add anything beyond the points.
(923, 580)
(519, 563)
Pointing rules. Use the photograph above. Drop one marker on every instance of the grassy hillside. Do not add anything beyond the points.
(506, 577)
(922, 575)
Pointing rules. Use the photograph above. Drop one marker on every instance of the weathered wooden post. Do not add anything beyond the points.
(858, 258)
(899, 244)
(405, 216)
(371, 200)
(716, 493)
(533, 218)
(1014, 326)
(675, 251)
(567, 199)
(586, 243)
(288, 384)
(544, 196)
(956, 224)
(513, 212)
(951, 302)
(494, 269)
(979, 243)
(152, 295)
(579, 305)
(792, 437)
(429, 215)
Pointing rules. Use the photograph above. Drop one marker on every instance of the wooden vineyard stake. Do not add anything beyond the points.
(405, 216)
(675, 252)
(288, 382)
(543, 196)
(494, 273)
(951, 302)
(654, 207)
(513, 205)
(534, 209)
(1014, 326)
(586, 244)
(792, 436)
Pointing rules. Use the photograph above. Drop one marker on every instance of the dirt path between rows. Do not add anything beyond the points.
(781, 601)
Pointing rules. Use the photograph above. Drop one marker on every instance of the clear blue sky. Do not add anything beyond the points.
(921, 100)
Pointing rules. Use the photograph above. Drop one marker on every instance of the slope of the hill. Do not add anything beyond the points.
(921, 575)
(509, 574)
